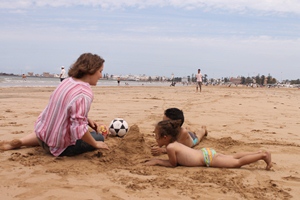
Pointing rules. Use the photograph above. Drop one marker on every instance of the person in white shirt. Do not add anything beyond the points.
(199, 80)
(63, 74)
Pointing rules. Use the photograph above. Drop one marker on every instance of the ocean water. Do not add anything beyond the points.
(17, 81)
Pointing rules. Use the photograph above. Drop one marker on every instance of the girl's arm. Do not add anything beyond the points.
(156, 151)
(160, 162)
(171, 151)
(172, 162)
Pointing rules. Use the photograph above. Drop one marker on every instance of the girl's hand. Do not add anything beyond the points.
(151, 162)
(156, 151)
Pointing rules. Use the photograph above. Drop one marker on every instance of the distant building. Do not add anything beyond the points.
(237, 80)
(30, 74)
(47, 74)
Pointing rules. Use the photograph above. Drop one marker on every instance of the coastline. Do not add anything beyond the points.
(238, 119)
(17, 81)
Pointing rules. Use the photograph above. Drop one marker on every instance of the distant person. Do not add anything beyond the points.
(24, 77)
(172, 84)
(62, 128)
(119, 80)
(166, 133)
(199, 80)
(185, 137)
(63, 74)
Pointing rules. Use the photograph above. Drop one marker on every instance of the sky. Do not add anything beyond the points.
(224, 38)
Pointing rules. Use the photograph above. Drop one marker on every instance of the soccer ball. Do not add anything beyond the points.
(118, 127)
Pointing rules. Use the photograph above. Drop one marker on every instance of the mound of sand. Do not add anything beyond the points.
(129, 150)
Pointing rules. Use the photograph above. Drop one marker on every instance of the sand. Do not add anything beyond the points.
(237, 118)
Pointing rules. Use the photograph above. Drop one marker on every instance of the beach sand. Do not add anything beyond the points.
(237, 118)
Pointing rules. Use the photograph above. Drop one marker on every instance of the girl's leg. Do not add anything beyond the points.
(266, 156)
(201, 133)
(228, 161)
(81, 146)
(242, 154)
(28, 140)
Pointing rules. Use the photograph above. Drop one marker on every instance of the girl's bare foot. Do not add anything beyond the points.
(205, 130)
(268, 160)
(14, 144)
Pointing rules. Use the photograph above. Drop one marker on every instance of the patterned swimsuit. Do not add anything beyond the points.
(208, 155)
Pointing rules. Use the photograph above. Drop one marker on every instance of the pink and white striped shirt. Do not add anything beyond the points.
(65, 119)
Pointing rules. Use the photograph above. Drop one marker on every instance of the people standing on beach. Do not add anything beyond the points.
(119, 81)
(185, 137)
(62, 128)
(166, 133)
(199, 80)
(24, 77)
(63, 74)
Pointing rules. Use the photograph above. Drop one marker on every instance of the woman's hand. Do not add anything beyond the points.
(88, 138)
(101, 145)
(93, 125)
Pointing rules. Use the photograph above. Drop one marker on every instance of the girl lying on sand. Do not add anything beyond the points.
(166, 133)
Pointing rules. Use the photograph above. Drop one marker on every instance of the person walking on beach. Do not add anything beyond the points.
(63, 74)
(166, 133)
(62, 128)
(199, 80)
(119, 81)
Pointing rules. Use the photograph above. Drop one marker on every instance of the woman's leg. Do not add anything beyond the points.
(81, 146)
(28, 140)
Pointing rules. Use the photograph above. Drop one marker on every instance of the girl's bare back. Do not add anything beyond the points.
(186, 156)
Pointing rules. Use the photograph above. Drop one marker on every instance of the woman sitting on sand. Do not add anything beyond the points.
(166, 133)
(62, 128)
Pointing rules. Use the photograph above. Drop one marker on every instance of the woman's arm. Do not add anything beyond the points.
(93, 124)
(88, 138)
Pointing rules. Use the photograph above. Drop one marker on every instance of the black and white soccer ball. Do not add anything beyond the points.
(118, 127)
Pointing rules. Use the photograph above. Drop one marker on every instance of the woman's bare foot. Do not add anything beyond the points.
(268, 160)
(8, 145)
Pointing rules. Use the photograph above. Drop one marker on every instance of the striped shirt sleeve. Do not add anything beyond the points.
(78, 116)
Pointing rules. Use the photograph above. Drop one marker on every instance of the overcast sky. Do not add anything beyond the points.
(223, 38)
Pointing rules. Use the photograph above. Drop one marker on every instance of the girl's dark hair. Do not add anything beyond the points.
(174, 114)
(169, 127)
(87, 63)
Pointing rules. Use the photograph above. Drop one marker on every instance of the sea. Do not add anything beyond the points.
(18, 81)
